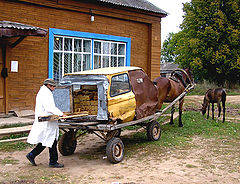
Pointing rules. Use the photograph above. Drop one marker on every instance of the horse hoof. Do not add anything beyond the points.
(180, 125)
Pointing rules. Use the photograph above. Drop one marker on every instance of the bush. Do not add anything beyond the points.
(202, 87)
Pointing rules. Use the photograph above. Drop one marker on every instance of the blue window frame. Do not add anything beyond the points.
(123, 44)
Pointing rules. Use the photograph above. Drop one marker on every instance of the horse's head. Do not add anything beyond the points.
(204, 105)
(204, 109)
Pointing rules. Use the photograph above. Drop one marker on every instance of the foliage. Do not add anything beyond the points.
(169, 47)
(202, 87)
(209, 40)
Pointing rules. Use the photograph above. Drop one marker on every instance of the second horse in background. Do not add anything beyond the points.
(212, 96)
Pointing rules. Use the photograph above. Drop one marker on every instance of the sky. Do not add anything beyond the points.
(172, 22)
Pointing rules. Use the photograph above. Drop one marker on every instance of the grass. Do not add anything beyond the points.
(17, 146)
(14, 136)
(9, 160)
(173, 136)
(13, 125)
(234, 106)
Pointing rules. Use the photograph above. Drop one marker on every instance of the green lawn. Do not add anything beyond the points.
(173, 136)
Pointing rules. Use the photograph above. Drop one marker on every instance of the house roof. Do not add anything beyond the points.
(13, 29)
(137, 4)
(168, 66)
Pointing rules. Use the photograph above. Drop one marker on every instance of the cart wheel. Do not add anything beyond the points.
(153, 131)
(67, 143)
(115, 150)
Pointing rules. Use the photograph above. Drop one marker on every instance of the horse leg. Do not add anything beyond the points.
(212, 110)
(223, 104)
(219, 109)
(180, 113)
(208, 111)
(172, 112)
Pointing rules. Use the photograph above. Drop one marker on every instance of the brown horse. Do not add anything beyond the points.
(217, 95)
(170, 89)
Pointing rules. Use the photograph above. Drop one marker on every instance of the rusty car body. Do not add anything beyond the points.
(111, 94)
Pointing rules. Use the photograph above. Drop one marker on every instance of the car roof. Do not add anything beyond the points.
(106, 71)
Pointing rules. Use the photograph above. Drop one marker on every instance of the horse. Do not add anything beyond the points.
(217, 95)
(170, 88)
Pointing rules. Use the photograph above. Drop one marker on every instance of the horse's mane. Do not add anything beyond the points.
(208, 91)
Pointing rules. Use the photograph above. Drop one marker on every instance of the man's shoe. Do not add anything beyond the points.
(57, 165)
(31, 159)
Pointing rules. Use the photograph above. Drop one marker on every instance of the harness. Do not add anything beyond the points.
(177, 76)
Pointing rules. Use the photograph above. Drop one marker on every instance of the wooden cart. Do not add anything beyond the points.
(109, 132)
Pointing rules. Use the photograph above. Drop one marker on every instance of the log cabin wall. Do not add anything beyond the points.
(32, 53)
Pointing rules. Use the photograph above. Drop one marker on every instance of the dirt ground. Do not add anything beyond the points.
(207, 161)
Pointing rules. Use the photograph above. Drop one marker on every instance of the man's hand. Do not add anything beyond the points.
(64, 115)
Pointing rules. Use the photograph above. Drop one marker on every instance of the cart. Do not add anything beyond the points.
(107, 128)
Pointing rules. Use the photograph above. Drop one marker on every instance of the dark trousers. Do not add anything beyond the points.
(52, 152)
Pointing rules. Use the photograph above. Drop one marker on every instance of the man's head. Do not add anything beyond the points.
(50, 83)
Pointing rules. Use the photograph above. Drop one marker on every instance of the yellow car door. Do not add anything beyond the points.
(121, 99)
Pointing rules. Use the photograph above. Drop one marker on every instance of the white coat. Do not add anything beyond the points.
(47, 131)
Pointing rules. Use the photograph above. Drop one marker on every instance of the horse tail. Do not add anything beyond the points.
(224, 95)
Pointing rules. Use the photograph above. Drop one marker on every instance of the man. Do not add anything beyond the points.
(45, 134)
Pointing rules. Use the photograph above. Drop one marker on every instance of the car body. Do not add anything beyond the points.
(114, 94)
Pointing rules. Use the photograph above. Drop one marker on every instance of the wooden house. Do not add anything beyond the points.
(47, 38)
(167, 68)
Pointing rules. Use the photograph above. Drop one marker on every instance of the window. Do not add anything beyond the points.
(119, 85)
(70, 55)
(109, 54)
(73, 51)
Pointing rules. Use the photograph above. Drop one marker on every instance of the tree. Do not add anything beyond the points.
(209, 40)
(169, 48)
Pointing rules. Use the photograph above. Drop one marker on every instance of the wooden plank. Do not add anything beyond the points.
(55, 117)
(78, 124)
(73, 116)
(15, 130)
(14, 140)
(24, 113)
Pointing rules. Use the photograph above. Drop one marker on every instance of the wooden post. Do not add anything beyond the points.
(4, 76)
